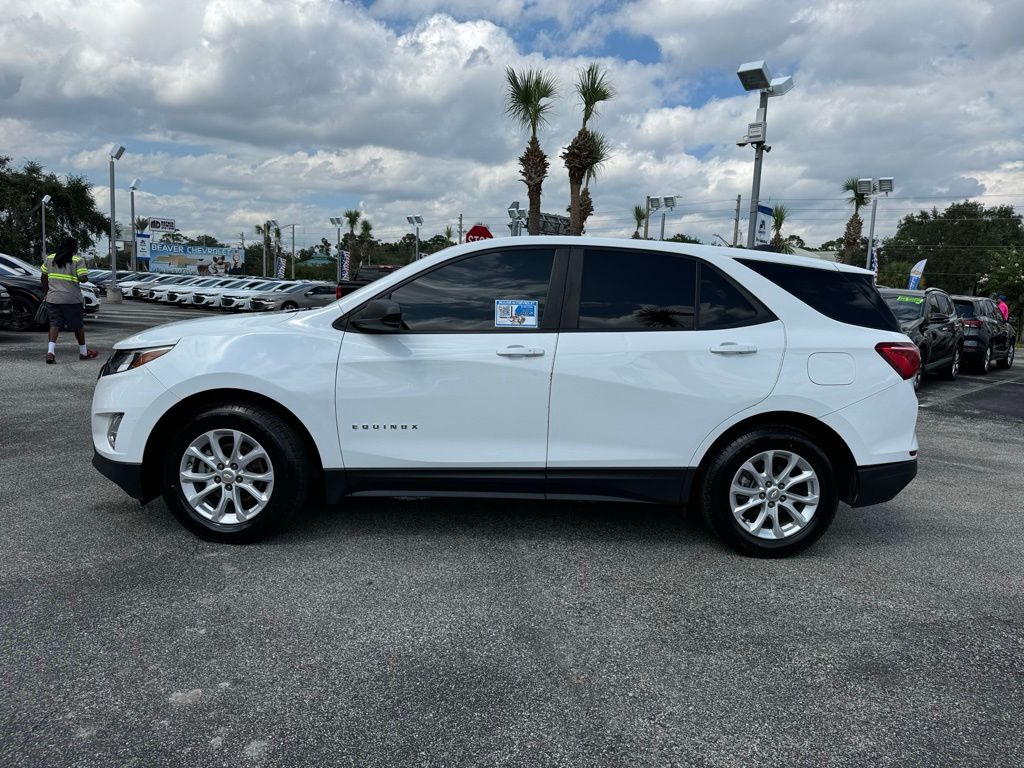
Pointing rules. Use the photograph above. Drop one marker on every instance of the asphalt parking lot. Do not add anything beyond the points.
(457, 633)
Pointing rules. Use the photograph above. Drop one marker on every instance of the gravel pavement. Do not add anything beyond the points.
(482, 633)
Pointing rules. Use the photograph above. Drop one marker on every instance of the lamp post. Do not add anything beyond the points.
(754, 76)
(416, 221)
(872, 187)
(115, 154)
(658, 202)
(336, 221)
(268, 225)
(135, 252)
(518, 218)
(42, 205)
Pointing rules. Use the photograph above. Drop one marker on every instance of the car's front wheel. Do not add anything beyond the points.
(951, 371)
(1011, 352)
(985, 364)
(235, 474)
(289, 305)
(770, 492)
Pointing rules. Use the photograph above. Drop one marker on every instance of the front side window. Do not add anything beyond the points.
(637, 291)
(493, 291)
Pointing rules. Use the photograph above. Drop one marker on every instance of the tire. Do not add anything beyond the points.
(288, 477)
(985, 364)
(951, 371)
(23, 314)
(1011, 353)
(748, 449)
(289, 305)
(919, 376)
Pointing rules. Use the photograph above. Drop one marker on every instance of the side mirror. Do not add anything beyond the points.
(379, 316)
(309, 293)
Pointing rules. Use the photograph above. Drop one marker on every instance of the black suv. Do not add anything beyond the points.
(929, 318)
(988, 339)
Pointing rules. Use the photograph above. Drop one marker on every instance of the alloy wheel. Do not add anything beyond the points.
(774, 494)
(226, 476)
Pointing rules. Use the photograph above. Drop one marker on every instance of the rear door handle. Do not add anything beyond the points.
(731, 348)
(518, 350)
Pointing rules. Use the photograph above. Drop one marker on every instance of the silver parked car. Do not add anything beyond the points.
(302, 296)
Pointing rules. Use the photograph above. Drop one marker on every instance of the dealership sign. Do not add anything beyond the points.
(162, 225)
(194, 259)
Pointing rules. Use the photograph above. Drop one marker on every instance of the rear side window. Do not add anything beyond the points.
(842, 296)
(637, 291)
(965, 308)
(724, 305)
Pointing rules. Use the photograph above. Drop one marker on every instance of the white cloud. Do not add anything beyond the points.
(236, 110)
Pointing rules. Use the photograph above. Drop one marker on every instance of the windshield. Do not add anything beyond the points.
(906, 308)
(296, 288)
(965, 308)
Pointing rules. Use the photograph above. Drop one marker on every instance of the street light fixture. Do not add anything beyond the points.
(755, 76)
(416, 221)
(873, 187)
(42, 205)
(115, 154)
(654, 203)
(135, 245)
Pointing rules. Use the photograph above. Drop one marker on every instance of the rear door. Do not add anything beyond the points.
(465, 384)
(656, 350)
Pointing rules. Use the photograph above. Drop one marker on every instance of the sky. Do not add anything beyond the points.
(238, 111)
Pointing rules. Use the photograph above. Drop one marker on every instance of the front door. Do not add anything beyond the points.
(664, 349)
(465, 384)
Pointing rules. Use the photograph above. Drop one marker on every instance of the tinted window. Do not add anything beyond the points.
(461, 296)
(945, 306)
(906, 307)
(723, 305)
(965, 308)
(846, 297)
(636, 291)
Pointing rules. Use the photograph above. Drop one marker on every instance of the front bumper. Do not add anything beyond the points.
(879, 483)
(127, 477)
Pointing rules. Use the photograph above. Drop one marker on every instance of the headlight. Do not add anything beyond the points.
(126, 359)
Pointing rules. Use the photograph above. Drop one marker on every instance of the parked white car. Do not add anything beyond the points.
(210, 298)
(238, 301)
(761, 389)
(182, 294)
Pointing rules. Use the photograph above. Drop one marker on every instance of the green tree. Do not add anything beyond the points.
(1006, 276)
(70, 212)
(639, 217)
(961, 243)
(528, 102)
(583, 152)
(679, 237)
(851, 252)
(141, 223)
(366, 241)
(779, 214)
(602, 152)
(352, 219)
(208, 241)
(449, 235)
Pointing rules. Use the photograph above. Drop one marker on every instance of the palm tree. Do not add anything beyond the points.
(527, 102)
(141, 223)
(602, 152)
(779, 213)
(352, 219)
(448, 232)
(857, 199)
(365, 238)
(854, 227)
(592, 87)
(639, 216)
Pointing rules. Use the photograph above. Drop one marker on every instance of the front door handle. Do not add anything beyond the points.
(518, 350)
(731, 348)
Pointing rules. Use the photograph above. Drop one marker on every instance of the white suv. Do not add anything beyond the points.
(760, 388)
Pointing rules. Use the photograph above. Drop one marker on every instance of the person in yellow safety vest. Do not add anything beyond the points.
(63, 272)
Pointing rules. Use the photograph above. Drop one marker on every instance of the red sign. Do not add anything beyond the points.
(478, 232)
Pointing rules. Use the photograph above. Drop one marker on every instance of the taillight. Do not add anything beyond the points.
(972, 323)
(903, 356)
(337, 292)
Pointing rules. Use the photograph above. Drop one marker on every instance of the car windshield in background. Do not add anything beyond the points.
(297, 288)
(965, 308)
(905, 308)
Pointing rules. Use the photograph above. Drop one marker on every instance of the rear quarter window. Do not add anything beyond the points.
(965, 308)
(845, 297)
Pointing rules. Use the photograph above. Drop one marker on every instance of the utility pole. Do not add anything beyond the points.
(755, 192)
(736, 223)
(293, 251)
(460, 228)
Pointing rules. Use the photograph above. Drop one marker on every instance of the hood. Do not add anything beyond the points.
(172, 333)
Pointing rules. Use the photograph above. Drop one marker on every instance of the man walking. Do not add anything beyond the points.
(63, 272)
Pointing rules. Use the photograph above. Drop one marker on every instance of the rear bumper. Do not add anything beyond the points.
(127, 477)
(879, 483)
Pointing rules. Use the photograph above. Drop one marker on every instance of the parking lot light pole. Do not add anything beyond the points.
(115, 154)
(42, 205)
(669, 204)
(872, 187)
(754, 76)
(336, 221)
(293, 246)
(135, 254)
(416, 221)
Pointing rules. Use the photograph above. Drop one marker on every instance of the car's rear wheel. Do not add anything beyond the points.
(951, 371)
(985, 364)
(1011, 352)
(770, 492)
(22, 316)
(289, 305)
(236, 473)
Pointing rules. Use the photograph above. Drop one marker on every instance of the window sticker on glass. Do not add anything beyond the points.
(515, 313)
(910, 299)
